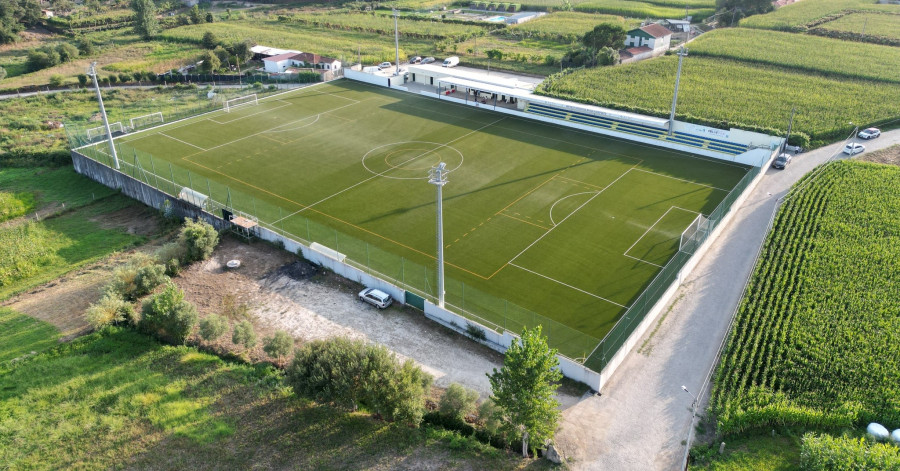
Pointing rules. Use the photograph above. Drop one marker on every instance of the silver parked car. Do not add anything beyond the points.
(854, 148)
(869, 133)
(375, 297)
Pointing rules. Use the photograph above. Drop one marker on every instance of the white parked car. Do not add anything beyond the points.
(869, 133)
(854, 148)
(375, 297)
(384, 65)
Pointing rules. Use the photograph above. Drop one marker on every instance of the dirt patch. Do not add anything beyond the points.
(889, 155)
(50, 209)
(134, 219)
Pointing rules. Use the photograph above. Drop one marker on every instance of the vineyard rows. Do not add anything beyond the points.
(565, 26)
(816, 341)
(726, 93)
(872, 24)
(832, 56)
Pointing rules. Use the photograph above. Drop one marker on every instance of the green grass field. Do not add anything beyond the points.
(566, 224)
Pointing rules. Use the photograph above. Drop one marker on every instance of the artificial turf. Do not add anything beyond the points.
(539, 220)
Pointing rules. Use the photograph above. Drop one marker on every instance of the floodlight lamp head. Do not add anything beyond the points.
(684, 388)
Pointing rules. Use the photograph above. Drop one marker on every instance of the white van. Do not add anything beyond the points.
(451, 61)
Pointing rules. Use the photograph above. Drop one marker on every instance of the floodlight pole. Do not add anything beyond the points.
(112, 147)
(438, 177)
(681, 55)
(397, 40)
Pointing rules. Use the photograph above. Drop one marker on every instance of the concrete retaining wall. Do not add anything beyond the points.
(368, 78)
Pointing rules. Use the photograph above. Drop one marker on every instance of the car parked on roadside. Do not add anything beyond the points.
(781, 161)
(415, 60)
(869, 133)
(854, 148)
(375, 297)
(384, 65)
(428, 60)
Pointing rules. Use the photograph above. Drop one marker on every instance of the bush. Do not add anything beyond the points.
(66, 52)
(244, 335)
(458, 401)
(109, 310)
(212, 327)
(82, 79)
(824, 452)
(137, 278)
(199, 239)
(171, 255)
(489, 414)
(56, 80)
(168, 316)
(475, 332)
(279, 345)
(124, 78)
(148, 278)
(348, 372)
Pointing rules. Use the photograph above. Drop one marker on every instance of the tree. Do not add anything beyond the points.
(210, 40)
(168, 316)
(125, 77)
(199, 238)
(145, 23)
(524, 389)
(82, 79)
(244, 335)
(195, 15)
(112, 79)
(457, 401)
(494, 54)
(62, 6)
(93, 5)
(86, 46)
(279, 345)
(605, 35)
(211, 62)
(607, 56)
(209, 17)
(222, 54)
(66, 52)
(242, 50)
(212, 327)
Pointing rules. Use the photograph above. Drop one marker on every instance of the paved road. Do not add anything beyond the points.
(643, 416)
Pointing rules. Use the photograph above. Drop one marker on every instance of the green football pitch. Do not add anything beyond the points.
(537, 218)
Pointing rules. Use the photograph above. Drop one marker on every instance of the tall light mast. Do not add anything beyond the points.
(112, 147)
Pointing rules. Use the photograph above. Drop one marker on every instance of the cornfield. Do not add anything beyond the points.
(816, 341)
(796, 16)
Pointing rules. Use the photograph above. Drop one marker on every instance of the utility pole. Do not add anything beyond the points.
(790, 126)
(681, 55)
(438, 177)
(397, 40)
(112, 147)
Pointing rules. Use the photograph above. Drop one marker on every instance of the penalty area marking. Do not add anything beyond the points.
(183, 142)
(648, 231)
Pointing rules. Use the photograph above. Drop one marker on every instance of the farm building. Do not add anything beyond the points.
(634, 54)
(654, 36)
(280, 63)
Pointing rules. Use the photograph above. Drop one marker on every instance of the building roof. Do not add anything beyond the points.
(638, 50)
(271, 51)
(656, 30)
(313, 58)
(280, 57)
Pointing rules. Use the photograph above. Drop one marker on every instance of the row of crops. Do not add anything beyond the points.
(383, 25)
(725, 93)
(796, 16)
(831, 57)
(816, 342)
(565, 26)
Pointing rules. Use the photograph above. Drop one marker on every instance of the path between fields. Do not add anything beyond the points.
(643, 416)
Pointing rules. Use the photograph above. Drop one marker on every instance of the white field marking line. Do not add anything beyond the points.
(570, 215)
(643, 261)
(179, 140)
(249, 115)
(299, 127)
(388, 170)
(682, 179)
(276, 127)
(640, 144)
(568, 285)
(346, 98)
(199, 117)
(564, 197)
(650, 229)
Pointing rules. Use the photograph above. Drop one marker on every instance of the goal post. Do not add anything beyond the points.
(146, 120)
(240, 101)
(114, 128)
(694, 235)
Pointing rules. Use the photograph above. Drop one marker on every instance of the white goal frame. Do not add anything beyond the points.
(147, 119)
(694, 234)
(244, 100)
(93, 133)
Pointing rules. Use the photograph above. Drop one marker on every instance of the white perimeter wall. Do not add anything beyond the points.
(367, 78)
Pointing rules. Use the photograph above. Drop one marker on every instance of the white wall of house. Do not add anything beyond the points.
(277, 67)
(652, 43)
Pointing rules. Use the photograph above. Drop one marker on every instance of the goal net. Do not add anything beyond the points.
(240, 101)
(694, 235)
(114, 128)
(146, 120)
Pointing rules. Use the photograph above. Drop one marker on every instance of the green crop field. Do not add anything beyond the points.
(833, 57)
(875, 24)
(815, 343)
(796, 16)
(565, 224)
(565, 26)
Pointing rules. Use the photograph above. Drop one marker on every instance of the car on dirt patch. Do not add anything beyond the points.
(854, 148)
(375, 297)
(869, 133)
(781, 161)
